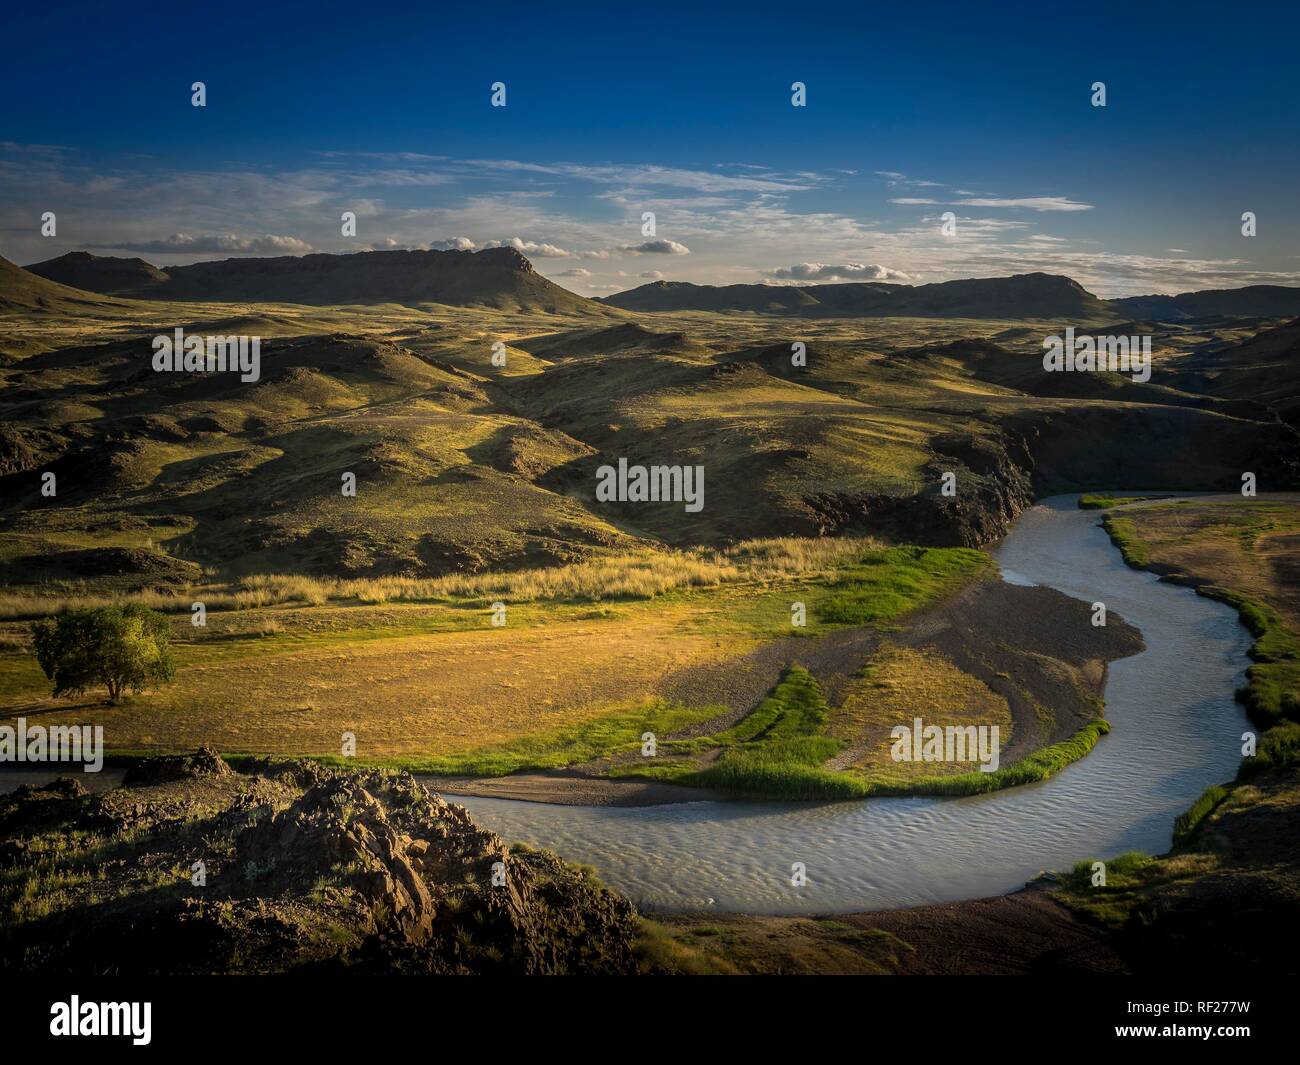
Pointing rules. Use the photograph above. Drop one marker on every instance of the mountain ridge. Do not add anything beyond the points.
(1036, 295)
(1253, 300)
(493, 277)
(504, 278)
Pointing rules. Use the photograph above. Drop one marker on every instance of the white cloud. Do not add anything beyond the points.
(658, 247)
(530, 247)
(453, 244)
(895, 178)
(846, 272)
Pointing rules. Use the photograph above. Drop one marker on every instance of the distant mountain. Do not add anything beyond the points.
(685, 296)
(1021, 296)
(495, 277)
(108, 274)
(1253, 301)
(21, 290)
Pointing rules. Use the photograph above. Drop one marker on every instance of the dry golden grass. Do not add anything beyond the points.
(641, 574)
(441, 693)
(902, 684)
(1248, 545)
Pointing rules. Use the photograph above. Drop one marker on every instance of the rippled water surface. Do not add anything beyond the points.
(1176, 730)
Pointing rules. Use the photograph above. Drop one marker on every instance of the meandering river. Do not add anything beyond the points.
(1175, 731)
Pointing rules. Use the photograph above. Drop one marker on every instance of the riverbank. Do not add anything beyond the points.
(189, 867)
(1221, 900)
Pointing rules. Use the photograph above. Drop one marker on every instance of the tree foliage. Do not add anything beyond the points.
(125, 648)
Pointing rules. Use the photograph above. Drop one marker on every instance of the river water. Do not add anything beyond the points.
(1175, 731)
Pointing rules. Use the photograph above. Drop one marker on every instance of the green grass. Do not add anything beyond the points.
(778, 751)
(1123, 533)
(1040, 765)
(1279, 748)
(1272, 691)
(1113, 905)
(1103, 501)
(1188, 821)
(551, 749)
(886, 584)
(775, 750)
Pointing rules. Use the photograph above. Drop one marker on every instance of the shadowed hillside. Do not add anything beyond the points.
(21, 291)
(1021, 296)
(1266, 301)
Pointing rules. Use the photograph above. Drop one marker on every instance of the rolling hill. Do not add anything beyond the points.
(1264, 369)
(21, 290)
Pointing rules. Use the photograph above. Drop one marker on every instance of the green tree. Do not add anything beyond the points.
(121, 647)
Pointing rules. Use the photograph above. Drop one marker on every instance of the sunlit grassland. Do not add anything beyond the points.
(640, 574)
(425, 677)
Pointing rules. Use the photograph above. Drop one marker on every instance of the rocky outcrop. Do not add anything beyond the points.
(205, 762)
(992, 487)
(291, 866)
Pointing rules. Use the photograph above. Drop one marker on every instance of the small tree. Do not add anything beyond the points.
(121, 647)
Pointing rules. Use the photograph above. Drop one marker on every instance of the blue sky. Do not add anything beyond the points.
(683, 110)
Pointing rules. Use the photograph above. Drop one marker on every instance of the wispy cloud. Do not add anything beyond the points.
(227, 243)
(581, 221)
(1032, 203)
